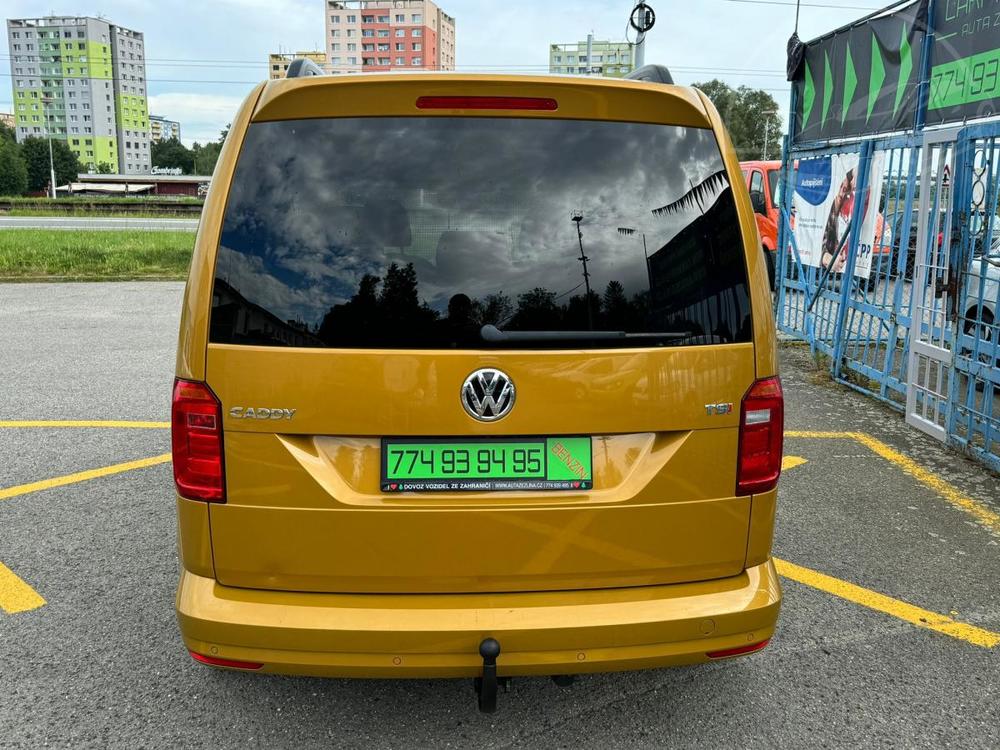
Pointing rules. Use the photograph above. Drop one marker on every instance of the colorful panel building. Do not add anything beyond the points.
(82, 80)
(162, 129)
(380, 35)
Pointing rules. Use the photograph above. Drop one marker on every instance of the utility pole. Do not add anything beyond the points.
(590, 53)
(577, 218)
(642, 20)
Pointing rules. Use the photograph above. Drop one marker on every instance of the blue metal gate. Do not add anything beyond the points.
(921, 330)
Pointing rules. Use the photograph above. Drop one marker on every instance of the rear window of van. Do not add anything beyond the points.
(420, 232)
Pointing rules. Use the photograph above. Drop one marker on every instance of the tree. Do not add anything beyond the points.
(35, 152)
(13, 172)
(7, 133)
(173, 154)
(206, 156)
(104, 168)
(751, 116)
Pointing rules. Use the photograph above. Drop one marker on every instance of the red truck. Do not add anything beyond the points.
(762, 179)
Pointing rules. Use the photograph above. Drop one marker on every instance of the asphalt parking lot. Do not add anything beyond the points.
(890, 550)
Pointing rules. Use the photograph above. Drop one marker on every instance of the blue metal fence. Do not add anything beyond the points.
(922, 332)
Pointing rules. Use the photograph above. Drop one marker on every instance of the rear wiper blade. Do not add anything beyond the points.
(494, 335)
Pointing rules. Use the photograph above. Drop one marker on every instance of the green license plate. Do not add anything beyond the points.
(486, 464)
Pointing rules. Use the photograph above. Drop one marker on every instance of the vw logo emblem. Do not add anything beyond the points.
(488, 395)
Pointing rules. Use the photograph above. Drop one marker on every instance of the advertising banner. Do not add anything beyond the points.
(824, 202)
(861, 79)
(965, 61)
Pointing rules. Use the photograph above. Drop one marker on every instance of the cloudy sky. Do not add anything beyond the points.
(203, 57)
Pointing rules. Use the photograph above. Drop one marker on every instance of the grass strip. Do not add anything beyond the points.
(93, 254)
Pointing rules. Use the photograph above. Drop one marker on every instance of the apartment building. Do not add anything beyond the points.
(162, 129)
(82, 80)
(277, 62)
(380, 35)
(613, 59)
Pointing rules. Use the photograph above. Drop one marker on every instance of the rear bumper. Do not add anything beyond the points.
(438, 635)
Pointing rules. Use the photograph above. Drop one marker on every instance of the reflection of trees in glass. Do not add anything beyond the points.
(374, 317)
(387, 311)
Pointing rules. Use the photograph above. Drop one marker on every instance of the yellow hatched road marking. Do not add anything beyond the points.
(978, 510)
(86, 423)
(82, 476)
(790, 462)
(15, 594)
(922, 618)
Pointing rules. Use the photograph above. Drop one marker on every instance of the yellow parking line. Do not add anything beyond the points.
(790, 462)
(922, 618)
(978, 510)
(82, 476)
(86, 423)
(15, 594)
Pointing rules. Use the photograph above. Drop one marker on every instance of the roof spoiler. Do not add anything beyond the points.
(301, 67)
(651, 73)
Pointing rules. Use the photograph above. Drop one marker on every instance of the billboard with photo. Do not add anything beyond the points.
(823, 201)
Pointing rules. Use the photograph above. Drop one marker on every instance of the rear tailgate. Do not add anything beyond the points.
(305, 509)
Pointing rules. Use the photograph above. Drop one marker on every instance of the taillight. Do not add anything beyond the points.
(762, 425)
(196, 436)
(487, 102)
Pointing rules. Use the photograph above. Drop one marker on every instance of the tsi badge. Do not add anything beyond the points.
(260, 412)
(715, 409)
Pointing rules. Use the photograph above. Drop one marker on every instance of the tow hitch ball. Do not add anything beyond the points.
(486, 686)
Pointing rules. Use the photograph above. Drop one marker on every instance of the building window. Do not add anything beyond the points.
(367, 19)
(400, 18)
(352, 19)
(367, 47)
(400, 61)
(383, 48)
(418, 18)
(416, 46)
(383, 19)
(335, 61)
(400, 46)
(334, 32)
(334, 19)
(383, 61)
(352, 47)
(417, 61)
(383, 32)
(400, 32)
(418, 32)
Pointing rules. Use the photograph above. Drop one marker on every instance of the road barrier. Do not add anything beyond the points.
(889, 248)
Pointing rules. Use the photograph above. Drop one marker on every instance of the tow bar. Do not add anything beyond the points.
(486, 686)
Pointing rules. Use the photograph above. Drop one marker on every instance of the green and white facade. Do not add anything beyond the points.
(82, 80)
(613, 59)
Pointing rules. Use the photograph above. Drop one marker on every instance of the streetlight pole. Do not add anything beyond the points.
(577, 218)
(48, 133)
(767, 132)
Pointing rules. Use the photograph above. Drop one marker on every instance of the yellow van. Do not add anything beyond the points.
(476, 377)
